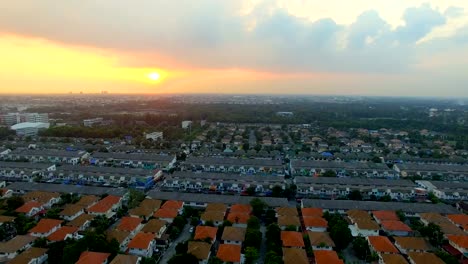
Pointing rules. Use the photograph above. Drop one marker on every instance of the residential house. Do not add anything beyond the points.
(6, 219)
(201, 250)
(320, 241)
(316, 224)
(312, 212)
(12, 247)
(134, 160)
(89, 257)
(205, 232)
(142, 245)
(286, 211)
(411, 244)
(295, 256)
(233, 235)
(230, 253)
(460, 220)
(156, 227)
(217, 217)
(71, 212)
(63, 233)
(82, 222)
(32, 255)
(327, 257)
(424, 258)
(47, 199)
(174, 205)
(395, 228)
(238, 219)
(167, 215)
(285, 221)
(392, 259)
(122, 237)
(106, 207)
(292, 239)
(130, 224)
(30, 208)
(381, 245)
(362, 223)
(216, 207)
(126, 259)
(87, 200)
(45, 227)
(146, 208)
(382, 215)
(459, 242)
(52, 156)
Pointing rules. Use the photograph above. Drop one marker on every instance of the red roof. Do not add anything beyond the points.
(45, 225)
(292, 239)
(327, 257)
(239, 218)
(460, 240)
(172, 204)
(385, 215)
(241, 208)
(27, 207)
(129, 223)
(312, 212)
(105, 204)
(382, 244)
(141, 240)
(166, 213)
(229, 253)
(60, 234)
(89, 257)
(202, 232)
(315, 222)
(392, 225)
(459, 219)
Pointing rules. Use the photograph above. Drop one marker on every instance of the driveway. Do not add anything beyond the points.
(170, 252)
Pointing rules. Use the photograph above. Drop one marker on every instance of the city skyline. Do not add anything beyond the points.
(402, 48)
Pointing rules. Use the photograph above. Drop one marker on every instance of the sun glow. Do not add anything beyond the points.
(154, 76)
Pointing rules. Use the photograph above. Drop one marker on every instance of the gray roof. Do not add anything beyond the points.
(48, 152)
(105, 170)
(338, 165)
(454, 186)
(233, 161)
(371, 206)
(224, 176)
(25, 165)
(443, 168)
(132, 156)
(62, 188)
(354, 181)
(214, 198)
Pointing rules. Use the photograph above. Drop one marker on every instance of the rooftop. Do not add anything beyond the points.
(295, 256)
(232, 233)
(319, 238)
(392, 225)
(63, 188)
(393, 259)
(89, 257)
(16, 243)
(292, 239)
(424, 258)
(141, 240)
(229, 253)
(202, 232)
(45, 225)
(28, 255)
(199, 249)
(327, 257)
(382, 244)
(62, 233)
(413, 243)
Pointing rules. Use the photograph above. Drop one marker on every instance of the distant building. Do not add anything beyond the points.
(29, 128)
(285, 114)
(154, 136)
(203, 122)
(93, 121)
(11, 119)
(186, 124)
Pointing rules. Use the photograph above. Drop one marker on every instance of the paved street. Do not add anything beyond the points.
(263, 249)
(184, 236)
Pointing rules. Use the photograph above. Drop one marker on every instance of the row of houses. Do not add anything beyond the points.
(342, 169)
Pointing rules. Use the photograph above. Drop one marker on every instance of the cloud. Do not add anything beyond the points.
(216, 34)
(454, 11)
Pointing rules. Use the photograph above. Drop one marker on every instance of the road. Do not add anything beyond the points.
(263, 249)
(170, 252)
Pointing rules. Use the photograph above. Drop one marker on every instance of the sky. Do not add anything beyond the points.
(338, 47)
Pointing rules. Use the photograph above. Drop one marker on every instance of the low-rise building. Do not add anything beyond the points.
(32, 255)
(424, 258)
(230, 253)
(460, 242)
(327, 257)
(30, 208)
(292, 239)
(201, 250)
(411, 244)
(295, 256)
(320, 241)
(12, 247)
(81, 222)
(89, 257)
(233, 235)
(45, 227)
(156, 227)
(395, 228)
(142, 245)
(63, 233)
(106, 207)
(71, 212)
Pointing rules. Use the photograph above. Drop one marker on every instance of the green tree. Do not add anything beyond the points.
(251, 191)
(258, 206)
(433, 233)
(194, 221)
(253, 223)
(361, 248)
(182, 247)
(339, 230)
(14, 202)
(253, 238)
(277, 191)
(179, 222)
(401, 215)
(291, 228)
(183, 258)
(433, 198)
(446, 257)
(175, 232)
(273, 258)
(100, 224)
(251, 254)
(135, 198)
(40, 242)
(355, 195)
(329, 173)
(215, 260)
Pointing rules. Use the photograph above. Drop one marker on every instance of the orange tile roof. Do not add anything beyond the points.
(459, 219)
(201, 250)
(424, 258)
(172, 204)
(105, 204)
(434, 218)
(295, 256)
(218, 207)
(315, 212)
(141, 240)
(45, 225)
(26, 208)
(288, 220)
(395, 226)
(327, 257)
(202, 232)
(89, 257)
(166, 213)
(382, 244)
(292, 239)
(87, 200)
(239, 218)
(315, 222)
(358, 214)
(80, 220)
(461, 241)
(129, 223)
(287, 211)
(319, 238)
(229, 253)
(393, 259)
(60, 234)
(385, 215)
(241, 208)
(5, 219)
(412, 243)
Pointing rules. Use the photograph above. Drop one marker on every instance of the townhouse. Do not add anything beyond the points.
(460, 242)
(234, 165)
(81, 222)
(134, 160)
(455, 191)
(342, 169)
(24, 171)
(47, 156)
(427, 171)
(411, 244)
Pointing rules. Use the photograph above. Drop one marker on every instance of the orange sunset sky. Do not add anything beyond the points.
(377, 47)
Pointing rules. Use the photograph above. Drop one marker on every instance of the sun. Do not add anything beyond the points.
(154, 76)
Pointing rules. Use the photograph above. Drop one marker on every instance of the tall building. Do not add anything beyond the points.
(11, 119)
